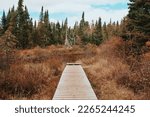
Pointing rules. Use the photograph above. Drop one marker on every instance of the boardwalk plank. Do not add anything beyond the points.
(74, 85)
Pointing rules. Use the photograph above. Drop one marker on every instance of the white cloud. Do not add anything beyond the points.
(75, 7)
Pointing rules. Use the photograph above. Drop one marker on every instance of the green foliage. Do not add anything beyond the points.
(42, 14)
(124, 33)
(45, 33)
(83, 30)
(4, 20)
(139, 20)
(22, 19)
(105, 32)
(97, 36)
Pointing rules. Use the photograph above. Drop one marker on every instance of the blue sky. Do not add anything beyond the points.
(117, 6)
(60, 9)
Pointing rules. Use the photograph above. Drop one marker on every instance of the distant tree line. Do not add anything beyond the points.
(43, 33)
(26, 33)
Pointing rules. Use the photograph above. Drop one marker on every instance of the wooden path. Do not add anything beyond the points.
(74, 85)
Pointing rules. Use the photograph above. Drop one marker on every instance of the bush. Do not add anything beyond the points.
(24, 80)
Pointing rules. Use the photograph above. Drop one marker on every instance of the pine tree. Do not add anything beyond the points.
(4, 20)
(75, 30)
(82, 22)
(105, 33)
(117, 29)
(42, 14)
(20, 26)
(43, 29)
(110, 29)
(12, 20)
(97, 37)
(46, 19)
(124, 33)
(58, 38)
(84, 36)
(1, 30)
(139, 20)
(8, 18)
(34, 36)
(27, 27)
(66, 24)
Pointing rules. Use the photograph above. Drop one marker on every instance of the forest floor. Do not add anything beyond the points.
(35, 73)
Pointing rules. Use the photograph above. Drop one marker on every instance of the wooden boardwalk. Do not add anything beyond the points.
(74, 85)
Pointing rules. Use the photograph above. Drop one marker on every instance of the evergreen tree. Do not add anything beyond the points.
(1, 30)
(124, 33)
(46, 19)
(20, 26)
(110, 29)
(66, 24)
(75, 30)
(12, 21)
(27, 27)
(139, 20)
(58, 34)
(83, 30)
(97, 37)
(4, 20)
(117, 29)
(34, 36)
(82, 22)
(105, 33)
(43, 29)
(42, 14)
(8, 18)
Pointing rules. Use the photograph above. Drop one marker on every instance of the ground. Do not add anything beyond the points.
(35, 73)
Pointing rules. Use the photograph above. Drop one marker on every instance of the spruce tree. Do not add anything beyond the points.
(42, 14)
(58, 33)
(1, 30)
(105, 33)
(82, 30)
(117, 29)
(110, 29)
(4, 21)
(97, 37)
(12, 20)
(82, 22)
(20, 25)
(43, 28)
(46, 19)
(124, 33)
(139, 20)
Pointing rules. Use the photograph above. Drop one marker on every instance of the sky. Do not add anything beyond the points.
(72, 9)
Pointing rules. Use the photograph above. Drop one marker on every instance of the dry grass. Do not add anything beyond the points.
(34, 73)
(31, 72)
(111, 76)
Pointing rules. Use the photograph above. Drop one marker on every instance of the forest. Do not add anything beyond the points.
(115, 55)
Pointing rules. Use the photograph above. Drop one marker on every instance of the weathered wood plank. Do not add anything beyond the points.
(74, 85)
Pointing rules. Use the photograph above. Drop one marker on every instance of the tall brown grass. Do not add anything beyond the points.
(31, 71)
(113, 78)
(35, 73)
